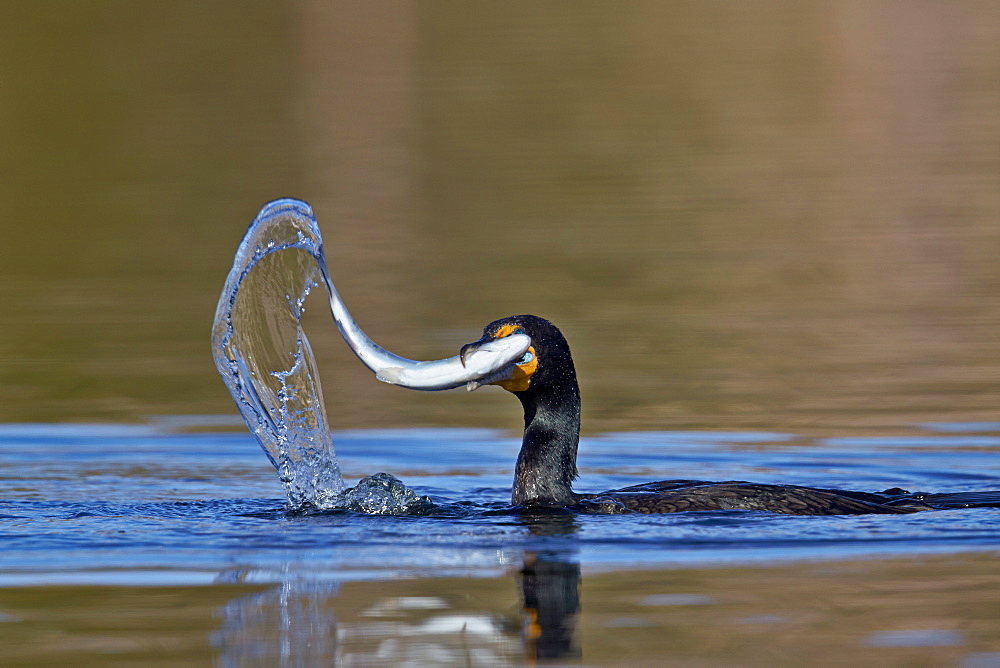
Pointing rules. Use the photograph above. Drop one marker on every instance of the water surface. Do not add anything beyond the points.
(161, 511)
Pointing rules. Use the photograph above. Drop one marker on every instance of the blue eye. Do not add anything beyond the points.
(519, 330)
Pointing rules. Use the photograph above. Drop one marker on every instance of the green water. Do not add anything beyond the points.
(739, 215)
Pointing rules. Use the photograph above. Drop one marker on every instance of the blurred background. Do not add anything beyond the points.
(769, 215)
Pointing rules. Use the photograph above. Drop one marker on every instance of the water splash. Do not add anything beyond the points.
(265, 360)
(264, 357)
(383, 494)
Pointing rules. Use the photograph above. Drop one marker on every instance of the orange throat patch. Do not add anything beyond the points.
(520, 378)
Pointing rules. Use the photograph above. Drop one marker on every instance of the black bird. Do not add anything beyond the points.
(545, 382)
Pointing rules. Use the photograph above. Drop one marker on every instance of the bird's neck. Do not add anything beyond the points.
(546, 465)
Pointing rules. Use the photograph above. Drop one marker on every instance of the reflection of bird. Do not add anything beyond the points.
(550, 589)
(545, 382)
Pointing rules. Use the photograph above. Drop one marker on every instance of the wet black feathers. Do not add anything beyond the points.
(546, 464)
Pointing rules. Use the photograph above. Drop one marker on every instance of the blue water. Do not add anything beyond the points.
(158, 504)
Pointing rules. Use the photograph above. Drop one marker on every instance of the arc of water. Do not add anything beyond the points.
(265, 358)
(266, 362)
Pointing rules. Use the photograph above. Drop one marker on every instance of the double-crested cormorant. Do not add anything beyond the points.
(545, 382)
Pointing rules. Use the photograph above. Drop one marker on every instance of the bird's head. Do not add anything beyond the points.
(547, 362)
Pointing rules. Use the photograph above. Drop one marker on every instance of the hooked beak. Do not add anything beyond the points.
(470, 348)
(507, 373)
